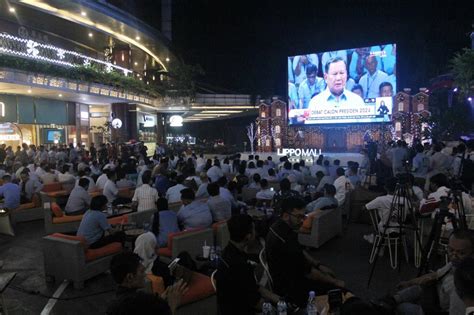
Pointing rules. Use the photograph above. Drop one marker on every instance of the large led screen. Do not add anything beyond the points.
(343, 86)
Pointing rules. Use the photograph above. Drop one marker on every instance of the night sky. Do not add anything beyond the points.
(242, 45)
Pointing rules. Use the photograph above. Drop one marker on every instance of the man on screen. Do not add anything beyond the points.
(335, 95)
(311, 86)
(371, 81)
(385, 89)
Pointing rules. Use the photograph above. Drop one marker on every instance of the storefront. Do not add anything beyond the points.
(147, 128)
(37, 121)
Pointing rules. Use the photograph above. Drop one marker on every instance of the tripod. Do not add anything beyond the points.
(440, 219)
(396, 224)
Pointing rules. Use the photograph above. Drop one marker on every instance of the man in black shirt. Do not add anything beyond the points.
(237, 290)
(129, 274)
(293, 270)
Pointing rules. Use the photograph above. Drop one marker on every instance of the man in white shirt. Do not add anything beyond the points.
(335, 100)
(48, 177)
(79, 200)
(221, 209)
(215, 172)
(384, 203)
(145, 196)
(438, 187)
(110, 189)
(371, 81)
(173, 194)
(343, 185)
(464, 283)
(265, 192)
(102, 180)
(323, 180)
(460, 247)
(318, 167)
(225, 167)
(65, 176)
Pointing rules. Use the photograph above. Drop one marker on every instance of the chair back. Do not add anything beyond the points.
(249, 194)
(175, 206)
(375, 219)
(274, 185)
(221, 234)
(261, 202)
(213, 280)
(266, 280)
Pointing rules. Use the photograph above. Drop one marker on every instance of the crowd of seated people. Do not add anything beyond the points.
(208, 191)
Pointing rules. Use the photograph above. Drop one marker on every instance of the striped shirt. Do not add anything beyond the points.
(146, 197)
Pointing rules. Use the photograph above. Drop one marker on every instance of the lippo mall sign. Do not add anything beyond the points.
(299, 152)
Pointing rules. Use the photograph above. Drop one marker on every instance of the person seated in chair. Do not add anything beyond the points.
(221, 209)
(384, 204)
(29, 186)
(464, 283)
(265, 192)
(94, 225)
(460, 247)
(293, 270)
(79, 200)
(284, 193)
(238, 293)
(10, 193)
(128, 272)
(193, 213)
(328, 201)
(111, 191)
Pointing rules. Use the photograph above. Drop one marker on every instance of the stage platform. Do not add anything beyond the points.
(344, 157)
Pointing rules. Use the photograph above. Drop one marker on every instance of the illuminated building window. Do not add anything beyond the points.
(400, 107)
(278, 112)
(421, 107)
(398, 126)
(263, 115)
(277, 129)
(267, 142)
(277, 142)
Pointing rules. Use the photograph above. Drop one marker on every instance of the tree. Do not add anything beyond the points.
(252, 135)
(462, 68)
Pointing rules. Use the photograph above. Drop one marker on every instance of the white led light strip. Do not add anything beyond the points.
(29, 49)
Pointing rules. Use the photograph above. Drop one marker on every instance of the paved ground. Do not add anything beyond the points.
(347, 255)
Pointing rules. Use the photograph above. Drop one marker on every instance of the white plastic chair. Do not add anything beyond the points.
(266, 280)
(392, 242)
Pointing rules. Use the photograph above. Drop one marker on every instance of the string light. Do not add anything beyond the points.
(34, 50)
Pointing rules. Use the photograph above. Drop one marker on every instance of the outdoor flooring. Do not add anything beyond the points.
(28, 294)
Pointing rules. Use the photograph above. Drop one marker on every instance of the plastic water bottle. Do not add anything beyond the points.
(109, 208)
(311, 306)
(212, 253)
(267, 309)
(282, 308)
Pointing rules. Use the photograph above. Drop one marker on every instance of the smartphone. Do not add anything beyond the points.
(173, 264)
(334, 300)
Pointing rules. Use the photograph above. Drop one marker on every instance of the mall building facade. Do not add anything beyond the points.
(45, 99)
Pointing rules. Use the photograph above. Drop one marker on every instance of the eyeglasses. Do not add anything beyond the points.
(299, 217)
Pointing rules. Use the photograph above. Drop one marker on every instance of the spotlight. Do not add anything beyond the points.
(137, 38)
(83, 13)
(455, 89)
(135, 63)
(60, 95)
(469, 99)
(29, 91)
(11, 9)
(167, 59)
(90, 34)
